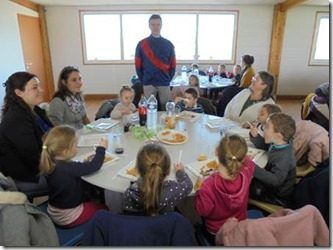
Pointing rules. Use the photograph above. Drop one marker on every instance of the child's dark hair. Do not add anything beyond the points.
(231, 152)
(196, 79)
(126, 88)
(153, 164)
(57, 140)
(193, 92)
(283, 124)
(272, 108)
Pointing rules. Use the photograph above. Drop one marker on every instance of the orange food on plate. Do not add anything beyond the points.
(202, 157)
(209, 168)
(175, 138)
(166, 133)
(107, 158)
(198, 184)
(133, 171)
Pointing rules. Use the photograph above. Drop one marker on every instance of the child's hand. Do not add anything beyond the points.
(253, 129)
(179, 167)
(104, 142)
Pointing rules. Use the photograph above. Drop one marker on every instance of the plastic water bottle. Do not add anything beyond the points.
(184, 73)
(170, 108)
(143, 110)
(152, 112)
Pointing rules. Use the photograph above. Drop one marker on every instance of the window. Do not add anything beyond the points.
(320, 43)
(110, 37)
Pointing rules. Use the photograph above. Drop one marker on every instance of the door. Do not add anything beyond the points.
(31, 41)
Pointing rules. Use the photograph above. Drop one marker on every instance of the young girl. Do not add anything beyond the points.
(125, 107)
(66, 206)
(151, 194)
(225, 193)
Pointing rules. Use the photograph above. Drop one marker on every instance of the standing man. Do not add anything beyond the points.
(155, 62)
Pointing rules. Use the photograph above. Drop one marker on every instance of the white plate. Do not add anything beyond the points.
(255, 153)
(189, 115)
(90, 140)
(193, 175)
(114, 158)
(103, 124)
(169, 134)
(195, 167)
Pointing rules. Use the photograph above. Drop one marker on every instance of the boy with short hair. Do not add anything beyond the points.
(189, 103)
(275, 182)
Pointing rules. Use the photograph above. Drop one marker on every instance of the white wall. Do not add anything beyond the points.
(255, 23)
(254, 35)
(11, 59)
(296, 76)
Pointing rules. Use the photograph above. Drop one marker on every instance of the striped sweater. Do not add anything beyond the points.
(155, 61)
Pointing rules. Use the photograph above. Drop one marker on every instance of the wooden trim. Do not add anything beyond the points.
(290, 3)
(28, 4)
(274, 60)
(89, 97)
(49, 85)
(291, 97)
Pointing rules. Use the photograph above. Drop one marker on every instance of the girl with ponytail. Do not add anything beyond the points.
(67, 206)
(225, 193)
(151, 194)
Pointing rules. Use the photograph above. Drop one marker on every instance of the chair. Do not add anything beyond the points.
(67, 236)
(106, 108)
(108, 229)
(207, 106)
(304, 170)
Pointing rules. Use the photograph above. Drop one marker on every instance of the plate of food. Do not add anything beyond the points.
(255, 153)
(108, 159)
(129, 172)
(172, 137)
(188, 115)
(204, 168)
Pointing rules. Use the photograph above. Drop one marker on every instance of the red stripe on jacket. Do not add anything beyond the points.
(151, 56)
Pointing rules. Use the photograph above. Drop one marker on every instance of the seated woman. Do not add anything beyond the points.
(22, 127)
(247, 103)
(247, 71)
(67, 105)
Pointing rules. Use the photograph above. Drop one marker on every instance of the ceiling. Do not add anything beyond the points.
(167, 2)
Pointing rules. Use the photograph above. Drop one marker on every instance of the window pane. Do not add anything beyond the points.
(132, 23)
(102, 36)
(322, 45)
(213, 43)
(180, 29)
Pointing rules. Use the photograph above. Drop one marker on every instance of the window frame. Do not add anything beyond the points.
(123, 61)
(312, 60)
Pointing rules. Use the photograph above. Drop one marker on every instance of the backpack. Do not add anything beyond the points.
(106, 108)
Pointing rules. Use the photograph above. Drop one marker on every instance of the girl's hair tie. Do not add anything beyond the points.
(233, 157)
(44, 147)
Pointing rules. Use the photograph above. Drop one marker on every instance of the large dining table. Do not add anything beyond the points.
(203, 134)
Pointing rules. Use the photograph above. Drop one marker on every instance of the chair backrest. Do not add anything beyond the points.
(305, 110)
(207, 105)
(106, 108)
(108, 229)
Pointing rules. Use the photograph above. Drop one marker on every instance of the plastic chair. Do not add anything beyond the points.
(67, 236)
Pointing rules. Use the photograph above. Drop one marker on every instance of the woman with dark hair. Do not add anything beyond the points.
(22, 127)
(246, 104)
(67, 105)
(247, 71)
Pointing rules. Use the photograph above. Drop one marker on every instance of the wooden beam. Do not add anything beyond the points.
(274, 60)
(286, 5)
(27, 4)
(49, 84)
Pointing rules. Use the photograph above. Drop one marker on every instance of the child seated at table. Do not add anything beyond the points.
(275, 182)
(257, 127)
(236, 74)
(221, 71)
(189, 103)
(126, 106)
(151, 194)
(67, 206)
(178, 92)
(225, 193)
